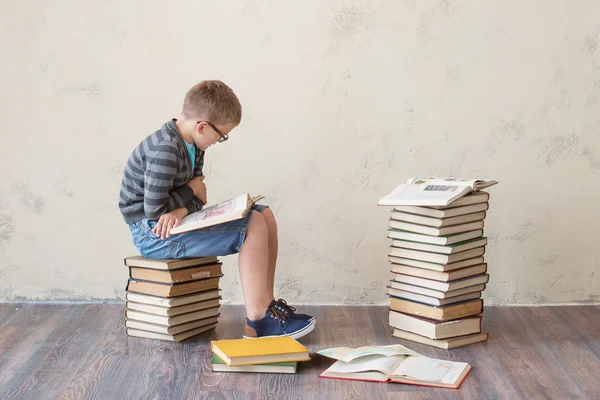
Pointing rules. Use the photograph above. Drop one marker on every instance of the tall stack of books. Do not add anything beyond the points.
(275, 355)
(172, 299)
(439, 273)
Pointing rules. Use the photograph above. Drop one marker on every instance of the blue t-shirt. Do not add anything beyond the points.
(192, 150)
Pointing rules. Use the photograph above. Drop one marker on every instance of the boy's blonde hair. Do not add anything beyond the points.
(214, 101)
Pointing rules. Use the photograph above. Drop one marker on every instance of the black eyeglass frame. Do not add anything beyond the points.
(222, 135)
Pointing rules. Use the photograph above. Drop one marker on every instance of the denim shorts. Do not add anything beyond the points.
(218, 240)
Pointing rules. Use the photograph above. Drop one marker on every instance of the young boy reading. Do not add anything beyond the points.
(163, 182)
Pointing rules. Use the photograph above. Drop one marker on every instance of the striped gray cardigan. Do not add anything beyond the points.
(155, 177)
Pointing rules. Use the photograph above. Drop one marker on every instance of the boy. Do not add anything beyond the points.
(163, 182)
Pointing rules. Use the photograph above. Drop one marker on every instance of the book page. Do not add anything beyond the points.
(219, 211)
(383, 364)
(348, 354)
(430, 370)
(434, 194)
(474, 184)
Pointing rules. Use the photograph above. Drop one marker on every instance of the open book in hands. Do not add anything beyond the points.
(433, 191)
(225, 211)
(394, 363)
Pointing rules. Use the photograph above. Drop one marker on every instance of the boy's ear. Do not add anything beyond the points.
(200, 127)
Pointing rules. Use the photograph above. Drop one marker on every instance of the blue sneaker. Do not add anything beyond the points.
(275, 323)
(290, 311)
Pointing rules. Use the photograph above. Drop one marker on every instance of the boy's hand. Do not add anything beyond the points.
(199, 187)
(168, 221)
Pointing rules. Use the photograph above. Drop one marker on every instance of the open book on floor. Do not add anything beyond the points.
(394, 363)
(225, 211)
(433, 191)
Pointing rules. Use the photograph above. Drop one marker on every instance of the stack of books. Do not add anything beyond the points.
(279, 355)
(172, 299)
(439, 272)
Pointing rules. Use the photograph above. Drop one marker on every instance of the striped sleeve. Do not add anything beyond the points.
(193, 205)
(161, 168)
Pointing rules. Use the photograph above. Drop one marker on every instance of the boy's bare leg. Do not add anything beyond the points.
(273, 247)
(254, 268)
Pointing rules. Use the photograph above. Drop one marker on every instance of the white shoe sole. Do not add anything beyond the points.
(296, 335)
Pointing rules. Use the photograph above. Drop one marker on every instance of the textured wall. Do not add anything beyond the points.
(342, 100)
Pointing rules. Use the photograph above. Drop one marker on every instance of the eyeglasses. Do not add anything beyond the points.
(223, 136)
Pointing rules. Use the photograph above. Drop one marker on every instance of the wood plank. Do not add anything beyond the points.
(73, 351)
(570, 355)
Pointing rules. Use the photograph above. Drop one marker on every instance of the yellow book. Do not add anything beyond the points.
(259, 351)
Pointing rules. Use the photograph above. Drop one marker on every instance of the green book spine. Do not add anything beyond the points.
(217, 360)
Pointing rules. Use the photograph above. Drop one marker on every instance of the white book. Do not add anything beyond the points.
(447, 276)
(437, 222)
(450, 343)
(435, 329)
(432, 231)
(393, 363)
(432, 301)
(436, 293)
(432, 248)
(446, 212)
(171, 321)
(436, 257)
(172, 301)
(225, 211)
(442, 286)
(170, 330)
(171, 311)
(435, 240)
(433, 191)
(172, 338)
(434, 266)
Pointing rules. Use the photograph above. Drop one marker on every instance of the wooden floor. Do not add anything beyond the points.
(81, 352)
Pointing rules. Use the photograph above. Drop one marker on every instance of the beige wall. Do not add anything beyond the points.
(342, 101)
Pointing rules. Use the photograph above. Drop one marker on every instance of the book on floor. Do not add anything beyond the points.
(172, 290)
(436, 293)
(434, 240)
(435, 329)
(175, 276)
(437, 222)
(432, 231)
(289, 367)
(442, 286)
(450, 343)
(443, 313)
(143, 262)
(173, 301)
(394, 364)
(171, 311)
(444, 212)
(448, 276)
(432, 301)
(225, 211)
(170, 330)
(435, 266)
(448, 249)
(259, 350)
(173, 338)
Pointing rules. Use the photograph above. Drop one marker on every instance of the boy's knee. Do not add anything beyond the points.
(267, 213)
(269, 217)
(257, 224)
